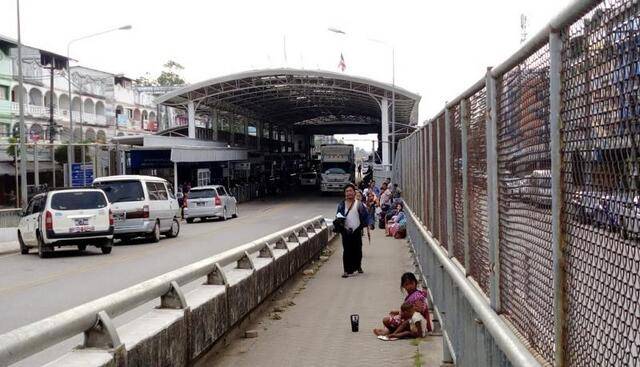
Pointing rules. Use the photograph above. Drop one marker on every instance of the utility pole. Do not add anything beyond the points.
(23, 153)
(52, 124)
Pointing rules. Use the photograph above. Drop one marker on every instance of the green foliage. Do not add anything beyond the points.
(13, 148)
(170, 76)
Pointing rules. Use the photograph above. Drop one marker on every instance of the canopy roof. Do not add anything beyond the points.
(307, 99)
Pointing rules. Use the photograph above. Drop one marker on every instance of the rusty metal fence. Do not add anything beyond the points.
(528, 184)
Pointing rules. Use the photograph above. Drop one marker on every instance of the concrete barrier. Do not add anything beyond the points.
(184, 327)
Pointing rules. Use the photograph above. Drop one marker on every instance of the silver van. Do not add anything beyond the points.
(142, 206)
(210, 201)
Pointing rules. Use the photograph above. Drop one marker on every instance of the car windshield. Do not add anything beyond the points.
(335, 170)
(201, 194)
(78, 200)
(120, 191)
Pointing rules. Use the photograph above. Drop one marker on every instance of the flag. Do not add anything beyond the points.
(342, 65)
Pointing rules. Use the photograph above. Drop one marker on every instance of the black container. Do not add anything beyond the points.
(355, 323)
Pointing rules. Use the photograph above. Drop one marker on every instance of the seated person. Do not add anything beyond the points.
(414, 326)
(393, 217)
(416, 297)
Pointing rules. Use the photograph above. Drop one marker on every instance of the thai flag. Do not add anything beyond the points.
(342, 65)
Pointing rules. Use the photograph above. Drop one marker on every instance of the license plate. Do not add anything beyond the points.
(81, 221)
(199, 204)
(81, 229)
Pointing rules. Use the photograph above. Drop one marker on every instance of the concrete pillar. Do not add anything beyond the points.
(258, 135)
(215, 124)
(191, 113)
(384, 113)
(246, 132)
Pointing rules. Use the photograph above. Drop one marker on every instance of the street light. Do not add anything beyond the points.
(393, 86)
(70, 147)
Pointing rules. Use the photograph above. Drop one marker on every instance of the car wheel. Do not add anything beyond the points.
(82, 247)
(23, 248)
(189, 220)
(175, 229)
(43, 251)
(106, 247)
(155, 234)
(224, 214)
(235, 215)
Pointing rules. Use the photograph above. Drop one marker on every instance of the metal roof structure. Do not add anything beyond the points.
(311, 101)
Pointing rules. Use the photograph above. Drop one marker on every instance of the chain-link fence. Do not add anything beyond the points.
(543, 167)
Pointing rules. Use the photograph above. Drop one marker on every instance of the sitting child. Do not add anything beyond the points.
(414, 326)
(416, 297)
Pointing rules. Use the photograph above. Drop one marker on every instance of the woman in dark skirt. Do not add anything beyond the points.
(355, 217)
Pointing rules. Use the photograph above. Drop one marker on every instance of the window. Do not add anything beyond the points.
(221, 191)
(157, 191)
(170, 190)
(121, 191)
(202, 194)
(78, 200)
(38, 204)
(204, 177)
(30, 207)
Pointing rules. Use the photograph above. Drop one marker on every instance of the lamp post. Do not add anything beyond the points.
(70, 147)
(393, 86)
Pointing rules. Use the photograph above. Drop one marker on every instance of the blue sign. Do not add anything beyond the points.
(81, 175)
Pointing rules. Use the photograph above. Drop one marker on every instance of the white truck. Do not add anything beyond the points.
(337, 167)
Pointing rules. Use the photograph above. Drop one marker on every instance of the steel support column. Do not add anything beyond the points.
(384, 118)
(557, 230)
(448, 179)
(191, 114)
(464, 124)
(492, 192)
(431, 179)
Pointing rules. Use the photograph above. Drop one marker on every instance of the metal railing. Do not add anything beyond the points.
(30, 339)
(528, 183)
(9, 217)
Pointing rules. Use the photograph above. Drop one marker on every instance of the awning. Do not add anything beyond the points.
(180, 155)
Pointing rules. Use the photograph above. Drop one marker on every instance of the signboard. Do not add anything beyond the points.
(81, 175)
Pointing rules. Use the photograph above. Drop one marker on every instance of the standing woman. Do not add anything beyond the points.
(356, 218)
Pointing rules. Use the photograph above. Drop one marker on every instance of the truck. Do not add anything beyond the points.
(337, 167)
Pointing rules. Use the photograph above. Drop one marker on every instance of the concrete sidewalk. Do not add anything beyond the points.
(315, 329)
(9, 240)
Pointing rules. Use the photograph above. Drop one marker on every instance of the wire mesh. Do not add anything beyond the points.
(477, 179)
(456, 177)
(427, 173)
(600, 110)
(442, 183)
(524, 162)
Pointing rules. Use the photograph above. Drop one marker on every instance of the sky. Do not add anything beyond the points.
(441, 47)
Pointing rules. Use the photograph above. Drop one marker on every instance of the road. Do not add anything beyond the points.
(32, 288)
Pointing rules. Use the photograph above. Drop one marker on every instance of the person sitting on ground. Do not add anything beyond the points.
(397, 223)
(416, 297)
(413, 326)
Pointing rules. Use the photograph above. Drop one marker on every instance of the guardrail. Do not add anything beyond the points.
(207, 313)
(9, 217)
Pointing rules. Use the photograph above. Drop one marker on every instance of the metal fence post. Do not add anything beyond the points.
(448, 179)
(557, 235)
(492, 191)
(464, 125)
(431, 180)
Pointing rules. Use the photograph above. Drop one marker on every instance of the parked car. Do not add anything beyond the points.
(309, 179)
(624, 211)
(534, 188)
(73, 217)
(143, 206)
(210, 201)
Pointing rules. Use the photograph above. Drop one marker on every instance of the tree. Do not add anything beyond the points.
(170, 76)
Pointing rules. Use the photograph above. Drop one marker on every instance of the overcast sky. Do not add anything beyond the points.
(441, 47)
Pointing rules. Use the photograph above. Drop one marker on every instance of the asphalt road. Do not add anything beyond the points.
(32, 288)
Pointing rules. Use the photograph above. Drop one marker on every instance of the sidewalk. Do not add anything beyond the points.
(315, 329)
(8, 241)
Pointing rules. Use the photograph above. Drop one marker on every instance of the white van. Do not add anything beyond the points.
(143, 206)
